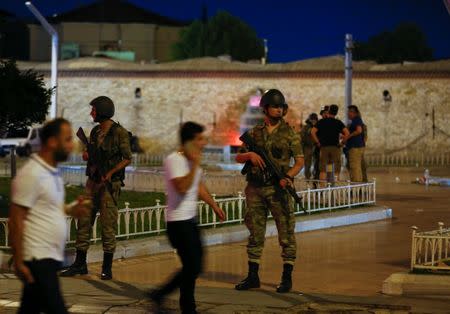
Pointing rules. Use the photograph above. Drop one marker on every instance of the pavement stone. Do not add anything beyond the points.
(405, 283)
(114, 297)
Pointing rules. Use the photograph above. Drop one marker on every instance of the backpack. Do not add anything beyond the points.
(134, 141)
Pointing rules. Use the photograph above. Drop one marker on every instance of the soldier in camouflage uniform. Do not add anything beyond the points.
(308, 144)
(264, 195)
(107, 157)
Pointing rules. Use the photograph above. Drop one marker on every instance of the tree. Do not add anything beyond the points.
(23, 97)
(406, 43)
(222, 34)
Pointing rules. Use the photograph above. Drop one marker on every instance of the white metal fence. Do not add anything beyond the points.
(403, 159)
(228, 183)
(431, 249)
(133, 222)
(146, 159)
(408, 159)
(372, 160)
(220, 183)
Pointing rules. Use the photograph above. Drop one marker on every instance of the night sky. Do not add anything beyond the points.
(297, 29)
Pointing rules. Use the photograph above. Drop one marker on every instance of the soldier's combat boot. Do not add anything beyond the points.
(107, 265)
(252, 280)
(79, 267)
(286, 279)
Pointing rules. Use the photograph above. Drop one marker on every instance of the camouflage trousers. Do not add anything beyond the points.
(261, 201)
(103, 203)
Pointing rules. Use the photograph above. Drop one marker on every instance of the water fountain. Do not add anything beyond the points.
(253, 113)
(252, 116)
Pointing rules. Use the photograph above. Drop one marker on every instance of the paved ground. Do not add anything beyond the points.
(367, 253)
(339, 270)
(94, 296)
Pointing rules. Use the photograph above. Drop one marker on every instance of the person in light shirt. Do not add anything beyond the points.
(183, 177)
(37, 220)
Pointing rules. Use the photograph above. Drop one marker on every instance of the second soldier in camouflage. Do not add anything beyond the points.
(264, 194)
(108, 154)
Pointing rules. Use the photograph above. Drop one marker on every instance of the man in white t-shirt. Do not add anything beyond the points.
(183, 177)
(37, 220)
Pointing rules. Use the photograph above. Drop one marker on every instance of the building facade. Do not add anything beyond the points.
(108, 25)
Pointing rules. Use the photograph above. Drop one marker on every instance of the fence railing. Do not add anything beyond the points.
(431, 249)
(133, 222)
(147, 159)
(372, 160)
(411, 159)
(408, 160)
(144, 159)
(223, 184)
(220, 183)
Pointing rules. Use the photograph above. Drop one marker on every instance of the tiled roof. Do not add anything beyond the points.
(114, 11)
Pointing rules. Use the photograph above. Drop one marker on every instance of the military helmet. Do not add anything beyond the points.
(104, 107)
(273, 97)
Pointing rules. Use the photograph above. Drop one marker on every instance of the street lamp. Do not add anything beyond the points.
(447, 5)
(54, 72)
(348, 75)
(266, 51)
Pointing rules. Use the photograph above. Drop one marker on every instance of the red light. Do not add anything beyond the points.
(233, 138)
(254, 101)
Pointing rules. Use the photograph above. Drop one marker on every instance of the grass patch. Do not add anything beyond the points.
(136, 199)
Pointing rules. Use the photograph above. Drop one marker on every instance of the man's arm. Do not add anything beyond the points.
(296, 152)
(299, 161)
(254, 158)
(17, 215)
(244, 155)
(345, 135)
(242, 158)
(121, 165)
(357, 132)
(314, 136)
(207, 198)
(125, 150)
(79, 208)
(182, 184)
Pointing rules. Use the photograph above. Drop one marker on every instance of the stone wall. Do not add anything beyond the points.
(405, 123)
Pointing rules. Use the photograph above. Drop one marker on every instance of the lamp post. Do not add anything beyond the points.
(54, 72)
(266, 51)
(348, 75)
(447, 5)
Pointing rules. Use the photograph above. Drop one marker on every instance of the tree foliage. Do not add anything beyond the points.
(223, 34)
(24, 99)
(406, 43)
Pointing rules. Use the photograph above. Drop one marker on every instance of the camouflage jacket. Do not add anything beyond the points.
(107, 151)
(281, 145)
